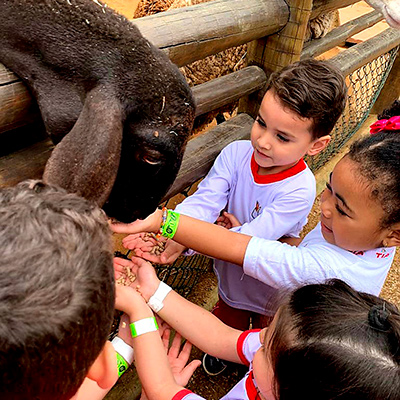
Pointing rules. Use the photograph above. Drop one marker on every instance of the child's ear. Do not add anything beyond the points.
(104, 370)
(318, 145)
(393, 237)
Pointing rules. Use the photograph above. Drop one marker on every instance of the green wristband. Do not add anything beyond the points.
(143, 326)
(171, 224)
(122, 364)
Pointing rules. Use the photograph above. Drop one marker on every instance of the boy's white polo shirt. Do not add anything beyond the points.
(268, 206)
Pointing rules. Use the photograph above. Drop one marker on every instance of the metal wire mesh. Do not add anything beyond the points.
(183, 274)
(365, 85)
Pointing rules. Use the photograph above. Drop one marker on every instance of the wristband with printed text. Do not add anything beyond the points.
(122, 364)
(171, 224)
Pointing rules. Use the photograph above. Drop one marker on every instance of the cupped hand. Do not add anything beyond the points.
(143, 248)
(146, 282)
(228, 220)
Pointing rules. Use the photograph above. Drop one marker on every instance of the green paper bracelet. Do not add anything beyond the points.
(122, 364)
(143, 326)
(171, 224)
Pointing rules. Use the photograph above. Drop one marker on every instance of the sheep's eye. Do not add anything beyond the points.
(150, 156)
(151, 160)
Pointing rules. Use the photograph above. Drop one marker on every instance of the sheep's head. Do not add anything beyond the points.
(152, 149)
(126, 147)
(116, 107)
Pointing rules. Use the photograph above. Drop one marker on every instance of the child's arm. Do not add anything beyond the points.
(204, 237)
(293, 241)
(269, 261)
(194, 323)
(150, 357)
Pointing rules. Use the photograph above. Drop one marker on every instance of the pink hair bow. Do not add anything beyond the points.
(392, 124)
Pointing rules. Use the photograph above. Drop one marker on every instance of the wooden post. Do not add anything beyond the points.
(391, 91)
(274, 52)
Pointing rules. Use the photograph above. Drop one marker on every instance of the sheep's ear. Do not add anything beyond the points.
(86, 160)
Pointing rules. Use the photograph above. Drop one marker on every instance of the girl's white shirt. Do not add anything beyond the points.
(315, 260)
(247, 346)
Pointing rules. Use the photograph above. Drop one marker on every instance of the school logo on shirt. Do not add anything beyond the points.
(382, 254)
(358, 253)
(256, 210)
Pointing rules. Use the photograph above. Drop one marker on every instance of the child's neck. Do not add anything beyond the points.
(275, 169)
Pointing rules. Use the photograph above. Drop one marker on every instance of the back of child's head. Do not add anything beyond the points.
(378, 159)
(314, 89)
(56, 290)
(332, 342)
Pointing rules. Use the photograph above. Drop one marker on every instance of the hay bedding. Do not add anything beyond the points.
(201, 71)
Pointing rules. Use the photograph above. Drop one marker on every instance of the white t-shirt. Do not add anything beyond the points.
(315, 260)
(268, 206)
(245, 389)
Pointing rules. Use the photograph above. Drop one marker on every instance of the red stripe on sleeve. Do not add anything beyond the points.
(239, 345)
(181, 394)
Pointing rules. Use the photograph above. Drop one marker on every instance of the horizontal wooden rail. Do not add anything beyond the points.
(198, 159)
(202, 150)
(27, 163)
(362, 53)
(192, 33)
(323, 6)
(17, 108)
(340, 35)
(227, 89)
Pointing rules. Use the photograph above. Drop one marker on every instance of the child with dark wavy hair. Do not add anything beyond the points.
(327, 341)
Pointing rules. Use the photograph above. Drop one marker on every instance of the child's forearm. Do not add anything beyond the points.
(153, 367)
(200, 327)
(212, 240)
(151, 362)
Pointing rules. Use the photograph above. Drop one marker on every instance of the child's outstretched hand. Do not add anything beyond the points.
(178, 357)
(227, 220)
(150, 224)
(146, 281)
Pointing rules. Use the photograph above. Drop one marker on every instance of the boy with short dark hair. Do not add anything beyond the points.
(263, 186)
(56, 294)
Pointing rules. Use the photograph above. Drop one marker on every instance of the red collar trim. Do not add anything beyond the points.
(251, 388)
(280, 176)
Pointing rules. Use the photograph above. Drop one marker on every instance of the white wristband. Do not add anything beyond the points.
(143, 326)
(123, 349)
(156, 301)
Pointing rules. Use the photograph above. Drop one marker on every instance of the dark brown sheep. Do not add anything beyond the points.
(119, 110)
